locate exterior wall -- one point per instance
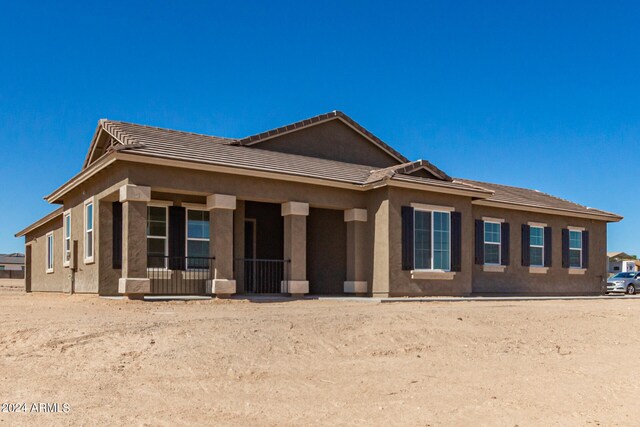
(332, 140)
(517, 279)
(382, 245)
(201, 183)
(41, 281)
(401, 282)
(103, 188)
(377, 243)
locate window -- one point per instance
(432, 240)
(492, 240)
(197, 238)
(66, 249)
(1, 267)
(157, 236)
(50, 253)
(575, 249)
(536, 247)
(88, 231)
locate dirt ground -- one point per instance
(320, 362)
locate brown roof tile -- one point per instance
(534, 198)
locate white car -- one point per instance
(627, 282)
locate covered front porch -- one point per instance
(175, 243)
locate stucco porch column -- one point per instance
(295, 247)
(221, 207)
(134, 282)
(356, 282)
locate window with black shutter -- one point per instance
(479, 246)
(525, 245)
(506, 238)
(585, 249)
(548, 252)
(565, 248)
(431, 239)
(456, 241)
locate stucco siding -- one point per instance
(41, 281)
(519, 280)
(401, 282)
(332, 140)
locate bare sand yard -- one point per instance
(320, 362)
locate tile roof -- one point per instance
(15, 258)
(534, 198)
(178, 145)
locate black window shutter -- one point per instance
(525, 245)
(407, 237)
(116, 209)
(456, 241)
(177, 237)
(479, 242)
(548, 252)
(565, 248)
(504, 231)
(585, 249)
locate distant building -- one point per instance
(620, 262)
(13, 262)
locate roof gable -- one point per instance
(333, 136)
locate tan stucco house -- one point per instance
(321, 206)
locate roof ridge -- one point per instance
(167, 129)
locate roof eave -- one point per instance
(42, 221)
(549, 210)
(83, 175)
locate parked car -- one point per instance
(627, 282)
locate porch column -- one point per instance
(356, 282)
(295, 247)
(134, 282)
(221, 207)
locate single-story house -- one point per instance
(13, 262)
(321, 206)
(621, 262)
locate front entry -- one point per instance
(262, 268)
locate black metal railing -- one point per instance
(179, 275)
(263, 276)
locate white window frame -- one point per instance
(186, 233)
(536, 246)
(89, 228)
(499, 244)
(431, 211)
(66, 239)
(165, 206)
(50, 252)
(575, 249)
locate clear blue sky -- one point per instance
(544, 95)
